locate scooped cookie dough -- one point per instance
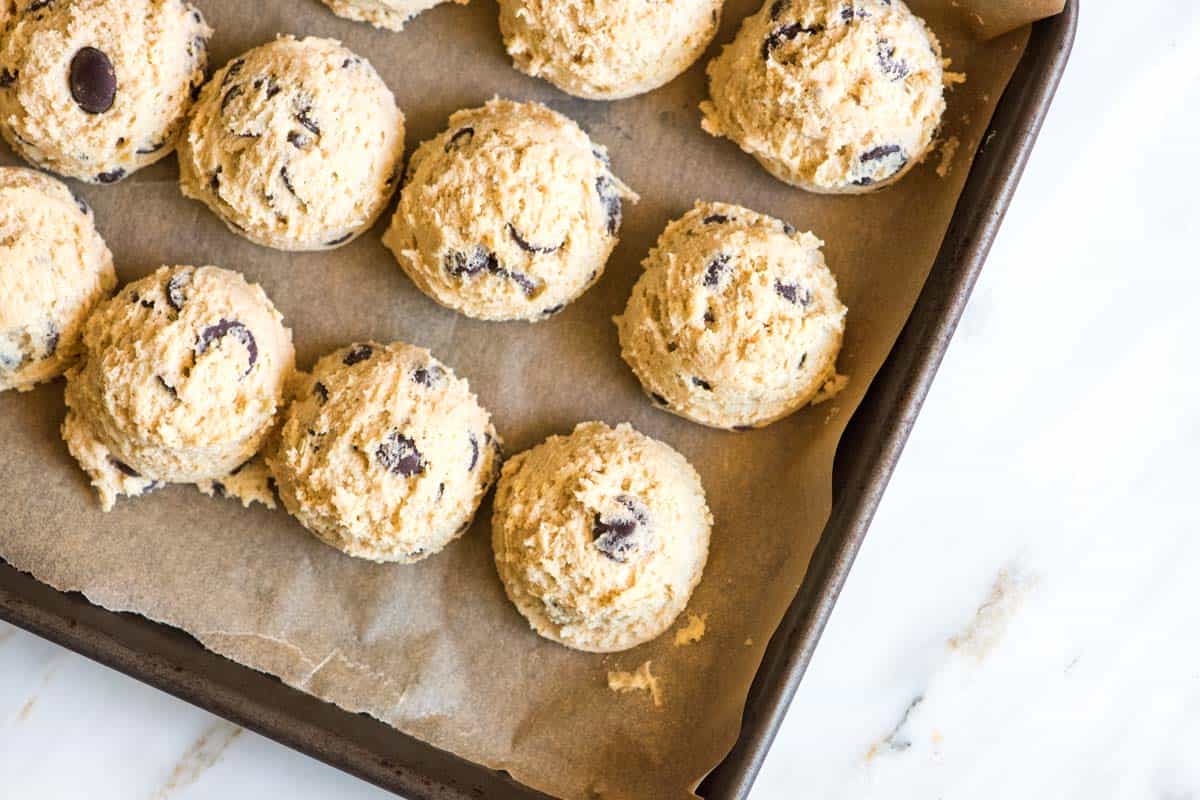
(385, 454)
(600, 537)
(736, 320)
(832, 96)
(607, 49)
(54, 269)
(294, 145)
(510, 213)
(390, 14)
(182, 374)
(98, 89)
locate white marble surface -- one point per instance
(1022, 620)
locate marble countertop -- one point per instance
(1022, 618)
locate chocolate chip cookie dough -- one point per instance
(833, 96)
(181, 377)
(294, 145)
(54, 269)
(97, 89)
(600, 537)
(607, 49)
(510, 213)
(390, 14)
(385, 454)
(736, 320)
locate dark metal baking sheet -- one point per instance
(174, 662)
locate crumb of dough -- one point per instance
(693, 631)
(947, 149)
(831, 388)
(641, 680)
(952, 78)
(250, 483)
(748, 642)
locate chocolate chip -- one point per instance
(602, 157)
(877, 153)
(357, 353)
(716, 269)
(658, 398)
(230, 96)
(299, 140)
(196, 89)
(123, 467)
(353, 61)
(460, 138)
(778, 7)
(302, 116)
(610, 198)
(614, 536)
(37, 5)
(214, 183)
(147, 303)
(428, 376)
(546, 312)
(786, 33)
(234, 68)
(850, 12)
(175, 288)
(171, 390)
(461, 264)
(399, 455)
(441, 490)
(321, 393)
(793, 293)
(218, 489)
(154, 148)
(863, 181)
(52, 337)
(474, 451)
(227, 327)
(272, 485)
(269, 83)
(716, 219)
(8, 77)
(79, 201)
(703, 384)
(527, 284)
(892, 67)
(525, 245)
(339, 240)
(789, 229)
(803, 358)
(743, 427)
(287, 181)
(111, 177)
(709, 318)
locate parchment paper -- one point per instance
(435, 649)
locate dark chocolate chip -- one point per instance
(230, 96)
(171, 390)
(8, 77)
(461, 264)
(803, 358)
(546, 312)
(474, 451)
(302, 116)
(321, 393)
(229, 327)
(268, 83)
(658, 398)
(778, 7)
(460, 138)
(175, 288)
(786, 33)
(153, 486)
(234, 68)
(154, 148)
(602, 157)
(441, 490)
(716, 269)
(703, 384)
(299, 140)
(877, 153)
(863, 181)
(353, 61)
(79, 201)
(789, 229)
(357, 353)
(716, 219)
(892, 67)
(52, 338)
(793, 293)
(37, 5)
(147, 303)
(123, 467)
(709, 317)
(525, 245)
(399, 455)
(218, 489)
(527, 284)
(614, 536)
(428, 376)
(287, 181)
(610, 198)
(339, 240)
(111, 177)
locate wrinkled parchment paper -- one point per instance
(435, 649)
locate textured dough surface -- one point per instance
(735, 321)
(607, 49)
(158, 50)
(384, 453)
(294, 145)
(829, 95)
(390, 14)
(600, 537)
(510, 213)
(181, 377)
(54, 269)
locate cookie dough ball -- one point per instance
(510, 213)
(607, 49)
(600, 537)
(736, 321)
(390, 14)
(54, 269)
(180, 380)
(829, 95)
(98, 89)
(385, 454)
(294, 145)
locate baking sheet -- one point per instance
(435, 649)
